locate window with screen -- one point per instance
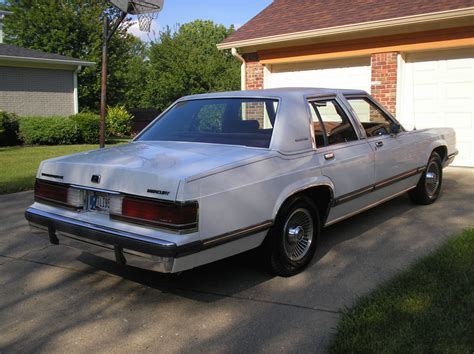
(331, 125)
(372, 118)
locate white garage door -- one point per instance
(438, 91)
(345, 74)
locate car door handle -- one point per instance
(379, 144)
(329, 156)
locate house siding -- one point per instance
(35, 91)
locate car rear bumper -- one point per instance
(125, 247)
(144, 251)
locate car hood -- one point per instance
(138, 167)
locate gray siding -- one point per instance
(31, 91)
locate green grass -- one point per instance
(427, 309)
(18, 164)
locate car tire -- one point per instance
(292, 241)
(429, 186)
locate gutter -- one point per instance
(243, 73)
(364, 26)
(48, 61)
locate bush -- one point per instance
(88, 124)
(8, 129)
(119, 121)
(48, 131)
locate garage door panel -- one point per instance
(348, 73)
(438, 91)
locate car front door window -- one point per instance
(372, 118)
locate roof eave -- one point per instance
(47, 61)
(359, 27)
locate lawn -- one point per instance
(427, 309)
(19, 164)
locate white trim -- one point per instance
(400, 78)
(364, 26)
(267, 74)
(51, 61)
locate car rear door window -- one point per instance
(330, 124)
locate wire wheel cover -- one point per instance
(298, 234)
(432, 178)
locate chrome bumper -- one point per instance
(127, 248)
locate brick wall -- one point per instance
(384, 79)
(254, 72)
(31, 91)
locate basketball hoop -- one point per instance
(145, 10)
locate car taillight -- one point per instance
(178, 216)
(58, 194)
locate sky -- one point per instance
(226, 12)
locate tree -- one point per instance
(187, 61)
(74, 28)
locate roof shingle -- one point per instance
(9, 50)
(291, 16)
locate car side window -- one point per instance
(331, 125)
(372, 118)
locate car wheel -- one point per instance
(429, 186)
(292, 241)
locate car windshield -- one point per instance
(232, 121)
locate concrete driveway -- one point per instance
(57, 299)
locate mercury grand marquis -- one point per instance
(220, 174)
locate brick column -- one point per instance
(254, 72)
(384, 79)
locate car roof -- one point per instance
(277, 93)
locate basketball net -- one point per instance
(145, 18)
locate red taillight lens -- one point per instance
(51, 192)
(172, 215)
(58, 194)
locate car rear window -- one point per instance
(232, 121)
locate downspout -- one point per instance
(76, 91)
(243, 72)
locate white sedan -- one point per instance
(219, 174)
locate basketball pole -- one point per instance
(106, 36)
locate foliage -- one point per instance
(88, 125)
(74, 28)
(48, 130)
(119, 121)
(8, 129)
(187, 61)
(427, 309)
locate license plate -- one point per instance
(98, 202)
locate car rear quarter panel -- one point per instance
(250, 194)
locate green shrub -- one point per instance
(8, 129)
(48, 131)
(119, 121)
(88, 124)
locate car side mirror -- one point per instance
(395, 128)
